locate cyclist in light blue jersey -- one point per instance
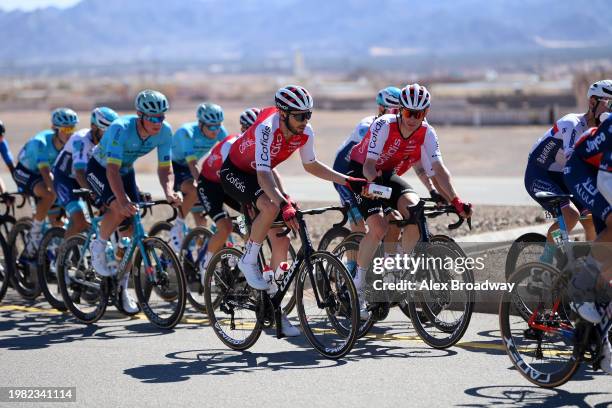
(110, 172)
(190, 143)
(6, 155)
(71, 164)
(33, 172)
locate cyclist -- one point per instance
(211, 194)
(71, 164)
(387, 100)
(190, 142)
(592, 156)
(110, 171)
(393, 144)
(7, 156)
(246, 175)
(547, 158)
(33, 174)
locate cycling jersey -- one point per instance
(38, 152)
(7, 156)
(263, 146)
(594, 144)
(552, 149)
(122, 145)
(189, 144)
(213, 161)
(355, 137)
(384, 143)
(75, 154)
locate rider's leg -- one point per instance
(77, 224)
(393, 234)
(411, 234)
(377, 229)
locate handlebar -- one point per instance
(8, 199)
(147, 208)
(312, 211)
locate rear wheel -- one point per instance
(232, 305)
(192, 253)
(22, 266)
(47, 267)
(4, 269)
(332, 238)
(526, 248)
(161, 229)
(84, 293)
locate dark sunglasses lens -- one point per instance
(301, 117)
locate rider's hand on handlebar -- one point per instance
(291, 200)
(127, 208)
(174, 199)
(288, 213)
(437, 197)
(463, 209)
(356, 185)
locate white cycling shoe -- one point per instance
(253, 276)
(587, 310)
(177, 234)
(98, 258)
(128, 303)
(287, 328)
(364, 314)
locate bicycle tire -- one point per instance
(47, 261)
(162, 282)
(4, 270)
(344, 303)
(331, 235)
(73, 251)
(518, 247)
(23, 268)
(159, 228)
(231, 289)
(518, 352)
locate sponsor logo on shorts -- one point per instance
(96, 184)
(236, 182)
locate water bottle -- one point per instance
(111, 262)
(281, 271)
(124, 242)
(242, 224)
(379, 191)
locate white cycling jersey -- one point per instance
(357, 134)
(75, 154)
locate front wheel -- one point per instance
(192, 253)
(327, 305)
(159, 283)
(4, 269)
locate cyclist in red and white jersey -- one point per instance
(246, 175)
(395, 143)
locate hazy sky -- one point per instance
(33, 4)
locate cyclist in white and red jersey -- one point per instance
(211, 194)
(393, 144)
(548, 155)
(246, 175)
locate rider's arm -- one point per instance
(42, 162)
(186, 141)
(114, 180)
(278, 181)
(164, 168)
(378, 138)
(266, 180)
(80, 157)
(166, 179)
(422, 175)
(2, 186)
(7, 156)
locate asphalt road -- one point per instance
(127, 362)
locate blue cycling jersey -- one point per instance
(39, 152)
(7, 156)
(189, 144)
(122, 145)
(595, 145)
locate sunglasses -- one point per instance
(417, 114)
(302, 117)
(154, 119)
(67, 129)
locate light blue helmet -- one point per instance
(210, 113)
(389, 97)
(64, 117)
(151, 102)
(102, 117)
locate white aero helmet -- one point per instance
(249, 116)
(293, 98)
(415, 97)
(601, 89)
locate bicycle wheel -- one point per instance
(161, 229)
(346, 252)
(231, 303)
(4, 270)
(541, 351)
(192, 251)
(47, 267)
(526, 248)
(332, 238)
(165, 304)
(83, 292)
(22, 267)
(333, 327)
(288, 302)
(447, 312)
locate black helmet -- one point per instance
(2, 129)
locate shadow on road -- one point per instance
(529, 396)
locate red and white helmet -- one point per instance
(249, 116)
(293, 98)
(601, 89)
(415, 97)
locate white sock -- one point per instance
(36, 226)
(250, 252)
(359, 277)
